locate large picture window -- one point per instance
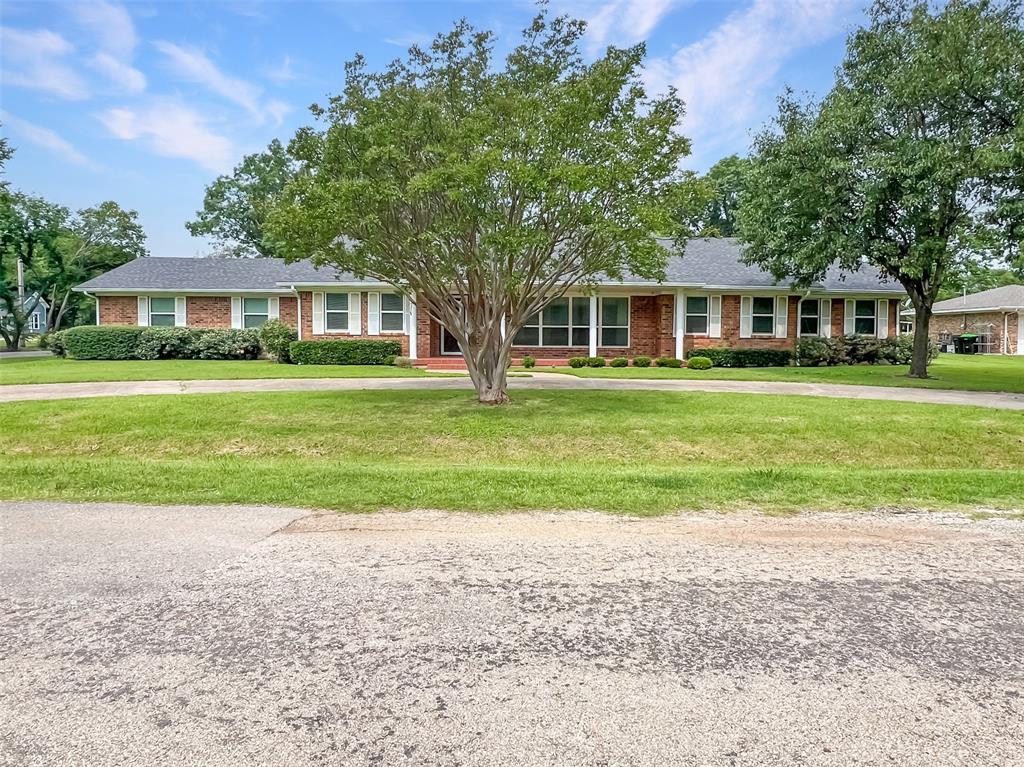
(561, 320)
(810, 321)
(161, 312)
(336, 312)
(615, 322)
(864, 318)
(697, 314)
(392, 312)
(762, 316)
(255, 312)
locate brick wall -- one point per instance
(731, 330)
(118, 310)
(955, 324)
(287, 310)
(307, 325)
(208, 311)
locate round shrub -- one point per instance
(403, 362)
(641, 362)
(275, 338)
(668, 362)
(529, 362)
(699, 363)
(596, 362)
(619, 362)
(577, 362)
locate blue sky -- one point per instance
(145, 103)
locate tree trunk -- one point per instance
(919, 359)
(487, 366)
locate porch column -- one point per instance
(413, 330)
(680, 322)
(593, 327)
(503, 327)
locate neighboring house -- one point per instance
(996, 316)
(37, 319)
(708, 298)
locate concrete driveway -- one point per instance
(252, 636)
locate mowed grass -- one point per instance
(33, 370)
(949, 371)
(638, 452)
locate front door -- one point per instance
(449, 346)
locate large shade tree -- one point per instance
(707, 204)
(912, 162)
(487, 191)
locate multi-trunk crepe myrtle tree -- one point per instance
(485, 192)
(913, 162)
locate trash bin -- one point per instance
(965, 343)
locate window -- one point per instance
(864, 318)
(697, 314)
(561, 320)
(336, 311)
(161, 312)
(762, 315)
(255, 311)
(809, 325)
(33, 322)
(392, 312)
(614, 322)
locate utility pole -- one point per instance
(21, 282)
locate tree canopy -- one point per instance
(707, 204)
(486, 191)
(912, 162)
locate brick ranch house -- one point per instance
(708, 298)
(996, 316)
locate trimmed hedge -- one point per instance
(344, 351)
(668, 362)
(130, 342)
(578, 362)
(642, 361)
(619, 362)
(743, 358)
(113, 342)
(699, 363)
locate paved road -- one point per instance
(253, 636)
(541, 380)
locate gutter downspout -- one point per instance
(97, 300)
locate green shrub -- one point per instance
(529, 362)
(578, 362)
(275, 338)
(668, 362)
(811, 352)
(743, 358)
(620, 362)
(699, 363)
(106, 342)
(227, 344)
(866, 349)
(641, 362)
(403, 362)
(343, 352)
(55, 342)
(900, 350)
(162, 343)
(595, 362)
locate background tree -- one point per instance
(235, 207)
(487, 191)
(910, 161)
(707, 204)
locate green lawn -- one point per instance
(949, 371)
(640, 452)
(57, 370)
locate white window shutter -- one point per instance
(355, 314)
(373, 314)
(882, 318)
(273, 308)
(848, 318)
(746, 316)
(236, 312)
(179, 311)
(144, 311)
(825, 318)
(781, 316)
(715, 321)
(318, 314)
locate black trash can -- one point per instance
(965, 343)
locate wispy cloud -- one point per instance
(192, 65)
(45, 138)
(172, 129)
(124, 76)
(727, 78)
(114, 30)
(36, 59)
(282, 74)
(623, 22)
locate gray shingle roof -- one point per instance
(1006, 297)
(705, 262)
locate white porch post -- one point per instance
(680, 322)
(413, 330)
(1020, 333)
(593, 327)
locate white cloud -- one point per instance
(34, 59)
(112, 25)
(283, 73)
(172, 130)
(624, 22)
(192, 65)
(124, 76)
(45, 138)
(728, 77)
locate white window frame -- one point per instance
(602, 326)
(706, 315)
(753, 315)
(245, 313)
(328, 312)
(800, 318)
(539, 324)
(173, 313)
(381, 311)
(33, 321)
(874, 316)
